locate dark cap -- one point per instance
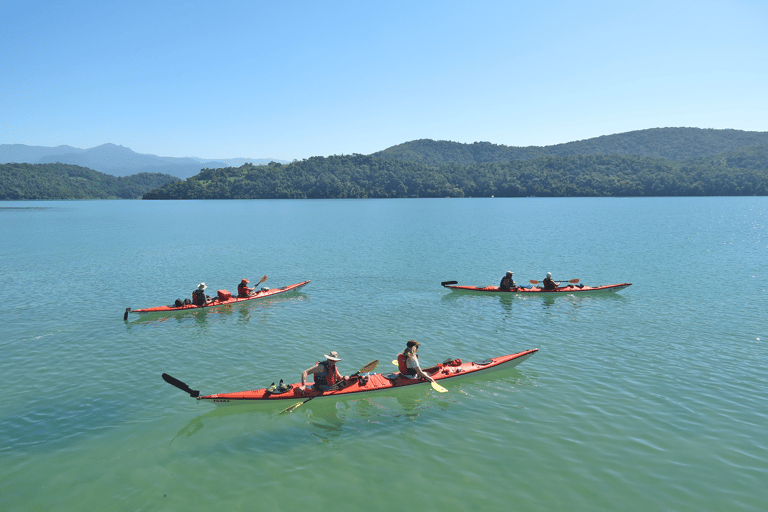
(411, 343)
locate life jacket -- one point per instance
(402, 365)
(326, 377)
(242, 290)
(198, 297)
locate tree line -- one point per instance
(25, 182)
(742, 172)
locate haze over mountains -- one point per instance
(118, 160)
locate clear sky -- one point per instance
(293, 79)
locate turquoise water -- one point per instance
(650, 399)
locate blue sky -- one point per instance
(294, 79)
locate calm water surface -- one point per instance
(651, 399)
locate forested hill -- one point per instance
(23, 182)
(668, 143)
(740, 172)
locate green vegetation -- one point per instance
(741, 172)
(22, 182)
(655, 162)
(669, 143)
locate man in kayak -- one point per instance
(243, 290)
(549, 284)
(198, 296)
(408, 361)
(324, 373)
(507, 283)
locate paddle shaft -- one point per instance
(574, 281)
(367, 368)
(253, 292)
(435, 385)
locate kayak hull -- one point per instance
(369, 385)
(216, 302)
(535, 290)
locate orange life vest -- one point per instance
(327, 377)
(402, 363)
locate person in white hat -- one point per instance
(549, 284)
(199, 298)
(324, 373)
(507, 283)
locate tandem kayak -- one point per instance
(358, 385)
(217, 301)
(570, 289)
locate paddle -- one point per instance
(438, 387)
(446, 283)
(365, 369)
(254, 292)
(435, 385)
(182, 386)
(574, 281)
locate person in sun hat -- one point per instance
(507, 283)
(324, 373)
(198, 296)
(243, 290)
(408, 362)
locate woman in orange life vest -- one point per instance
(243, 290)
(408, 361)
(325, 373)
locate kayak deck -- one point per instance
(367, 384)
(216, 301)
(571, 289)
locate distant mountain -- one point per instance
(675, 144)
(117, 160)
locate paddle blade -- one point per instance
(262, 279)
(438, 387)
(446, 283)
(182, 386)
(574, 281)
(394, 362)
(533, 281)
(369, 367)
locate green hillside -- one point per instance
(22, 182)
(668, 143)
(368, 176)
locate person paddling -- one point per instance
(198, 296)
(408, 361)
(549, 284)
(243, 290)
(507, 282)
(325, 373)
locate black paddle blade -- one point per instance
(446, 283)
(176, 382)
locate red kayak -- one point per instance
(570, 289)
(222, 299)
(359, 384)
